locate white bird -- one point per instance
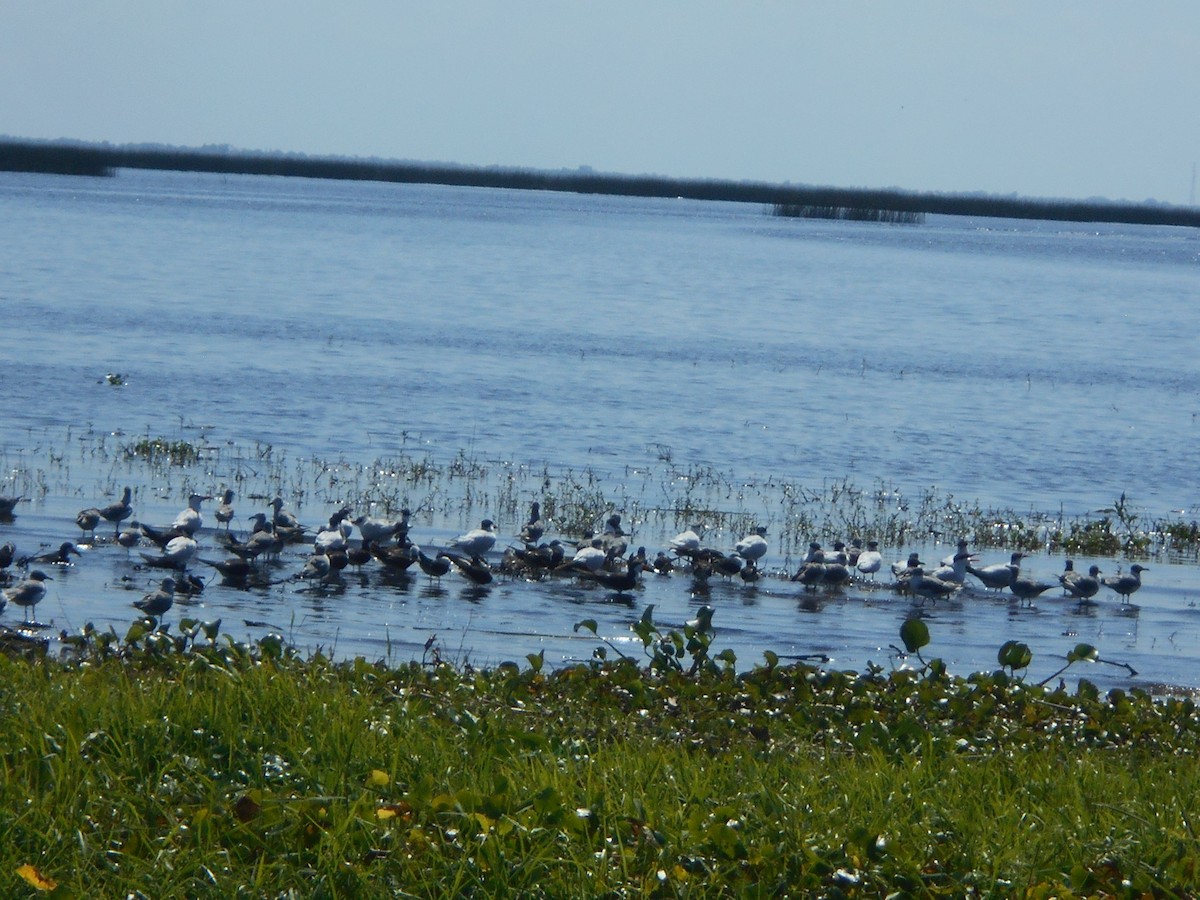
(374, 530)
(1125, 585)
(956, 569)
(590, 557)
(870, 560)
(189, 520)
(175, 555)
(753, 546)
(329, 540)
(1000, 575)
(1083, 587)
(686, 543)
(28, 592)
(477, 541)
(962, 547)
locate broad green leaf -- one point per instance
(915, 634)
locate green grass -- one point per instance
(159, 767)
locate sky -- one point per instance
(1039, 98)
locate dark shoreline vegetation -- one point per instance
(193, 765)
(77, 158)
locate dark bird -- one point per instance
(1126, 585)
(1027, 589)
(7, 553)
(7, 505)
(1082, 587)
(395, 558)
(621, 582)
(224, 511)
(87, 520)
(928, 587)
(233, 570)
(473, 567)
(28, 592)
(118, 512)
(158, 602)
(532, 531)
(358, 556)
(433, 567)
(60, 557)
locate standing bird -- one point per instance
(176, 554)
(870, 561)
(7, 505)
(189, 520)
(8, 552)
(532, 531)
(956, 569)
(29, 592)
(1001, 575)
(1083, 587)
(224, 511)
(87, 520)
(476, 542)
(1126, 585)
(1026, 588)
(376, 530)
(686, 543)
(434, 568)
(926, 586)
(472, 567)
(156, 603)
(118, 512)
(753, 546)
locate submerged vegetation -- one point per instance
(192, 765)
(78, 158)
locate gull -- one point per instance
(870, 560)
(1000, 575)
(686, 543)
(962, 548)
(1026, 588)
(1084, 587)
(233, 570)
(374, 530)
(224, 510)
(281, 516)
(621, 582)
(7, 552)
(156, 603)
(472, 567)
(753, 546)
(329, 540)
(87, 520)
(59, 557)
(176, 554)
(1125, 585)
(532, 531)
(28, 592)
(956, 569)
(588, 558)
(902, 569)
(7, 504)
(319, 566)
(189, 520)
(927, 586)
(433, 567)
(476, 542)
(118, 512)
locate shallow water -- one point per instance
(1030, 366)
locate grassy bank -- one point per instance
(176, 766)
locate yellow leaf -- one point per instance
(385, 812)
(378, 778)
(36, 878)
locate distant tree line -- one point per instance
(104, 159)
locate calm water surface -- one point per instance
(1029, 366)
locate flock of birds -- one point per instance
(602, 557)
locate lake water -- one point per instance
(330, 341)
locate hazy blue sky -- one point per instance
(1035, 97)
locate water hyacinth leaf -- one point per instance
(915, 634)
(211, 629)
(536, 660)
(589, 624)
(1083, 652)
(1015, 655)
